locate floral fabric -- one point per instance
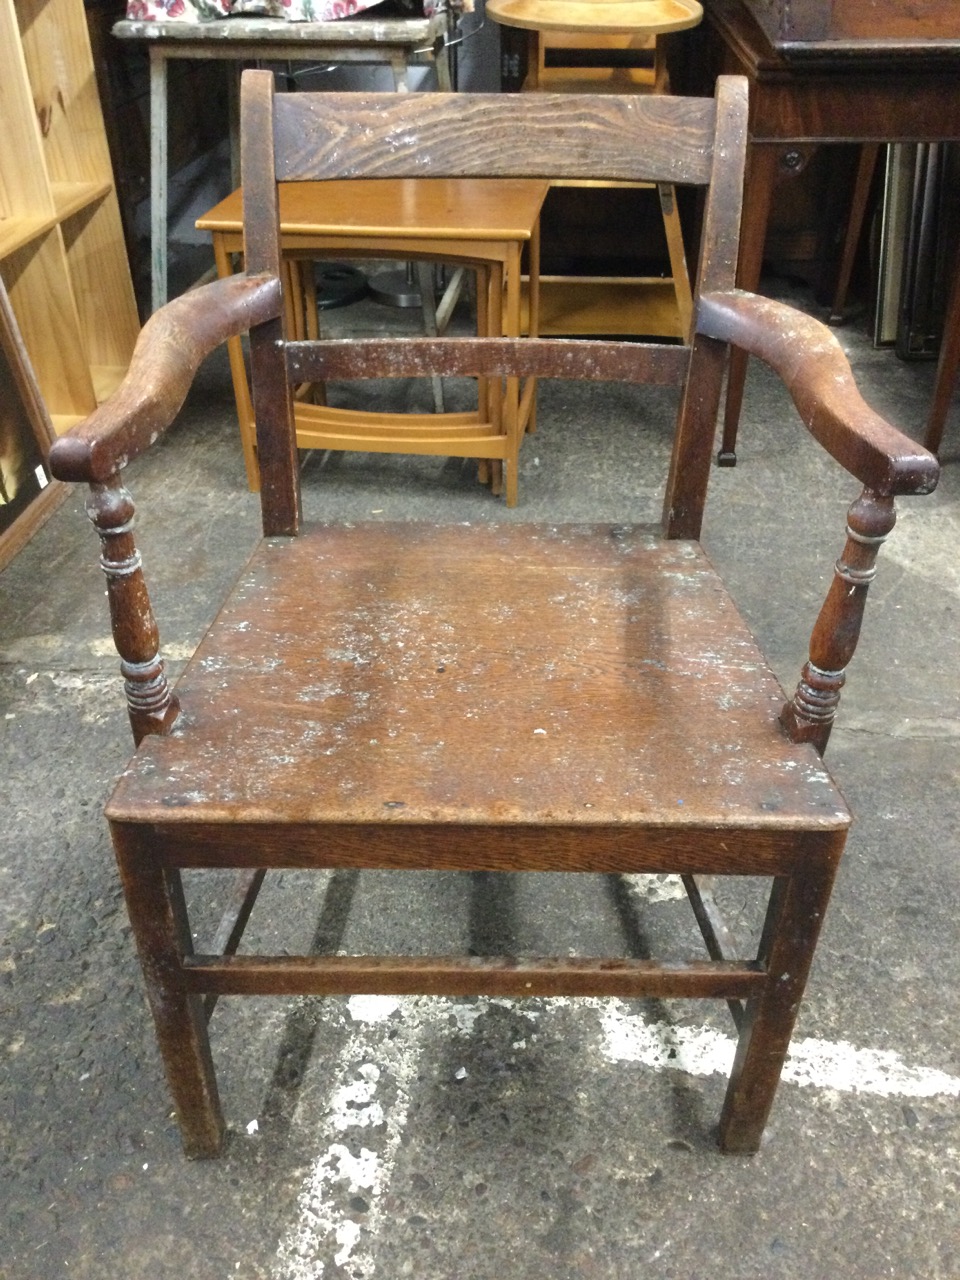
(205, 10)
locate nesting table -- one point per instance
(479, 223)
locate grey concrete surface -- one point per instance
(478, 1140)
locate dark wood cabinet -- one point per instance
(788, 22)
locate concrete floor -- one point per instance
(477, 1140)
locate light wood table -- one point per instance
(477, 223)
(397, 42)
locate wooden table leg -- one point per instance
(667, 195)
(443, 64)
(398, 65)
(866, 168)
(158, 178)
(428, 305)
(947, 365)
(238, 373)
(529, 407)
(511, 327)
(761, 175)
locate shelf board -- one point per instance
(17, 232)
(72, 197)
(68, 198)
(595, 306)
(106, 379)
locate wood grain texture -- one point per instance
(580, 846)
(490, 698)
(487, 357)
(470, 975)
(352, 135)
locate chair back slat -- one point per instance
(608, 138)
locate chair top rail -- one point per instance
(384, 135)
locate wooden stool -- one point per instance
(601, 33)
(472, 223)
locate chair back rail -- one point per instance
(487, 357)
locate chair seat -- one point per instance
(387, 677)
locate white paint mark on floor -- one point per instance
(626, 1037)
(348, 1166)
(830, 1064)
(822, 1064)
(651, 889)
(384, 1043)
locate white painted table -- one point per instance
(397, 42)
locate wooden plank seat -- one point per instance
(475, 224)
(475, 696)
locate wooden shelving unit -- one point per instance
(62, 253)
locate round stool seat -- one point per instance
(605, 16)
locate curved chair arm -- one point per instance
(168, 352)
(817, 374)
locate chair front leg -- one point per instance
(158, 916)
(791, 929)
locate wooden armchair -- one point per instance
(483, 697)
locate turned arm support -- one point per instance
(812, 364)
(810, 713)
(170, 348)
(815, 370)
(168, 352)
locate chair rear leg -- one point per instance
(792, 927)
(158, 917)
